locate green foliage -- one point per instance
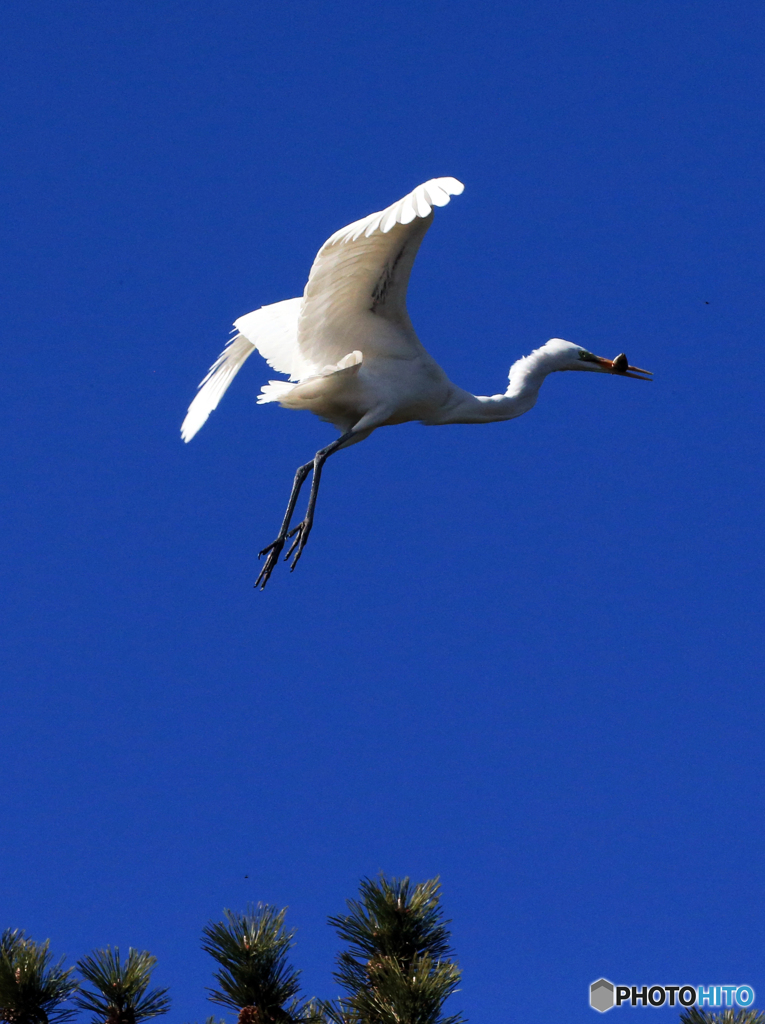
(255, 976)
(10, 941)
(32, 987)
(730, 1016)
(122, 994)
(399, 967)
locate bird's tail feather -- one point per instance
(213, 387)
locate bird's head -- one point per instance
(564, 355)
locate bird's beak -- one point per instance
(623, 368)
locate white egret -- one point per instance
(352, 357)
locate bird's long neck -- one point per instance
(526, 378)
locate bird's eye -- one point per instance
(588, 357)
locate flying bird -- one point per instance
(352, 357)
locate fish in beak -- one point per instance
(621, 366)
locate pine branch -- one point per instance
(399, 967)
(394, 918)
(730, 1016)
(10, 940)
(122, 994)
(32, 987)
(255, 977)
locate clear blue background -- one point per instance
(526, 657)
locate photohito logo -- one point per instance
(604, 995)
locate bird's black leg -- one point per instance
(302, 530)
(273, 550)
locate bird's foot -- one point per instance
(273, 551)
(300, 533)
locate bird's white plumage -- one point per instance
(360, 272)
(352, 356)
(272, 330)
(360, 276)
(214, 385)
(277, 390)
(418, 203)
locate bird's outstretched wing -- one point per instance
(362, 272)
(272, 330)
(358, 281)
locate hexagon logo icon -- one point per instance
(601, 995)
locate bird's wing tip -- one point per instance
(417, 203)
(214, 385)
(453, 186)
(192, 424)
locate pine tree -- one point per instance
(730, 1016)
(399, 967)
(122, 994)
(256, 978)
(10, 941)
(32, 987)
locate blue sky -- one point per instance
(526, 657)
